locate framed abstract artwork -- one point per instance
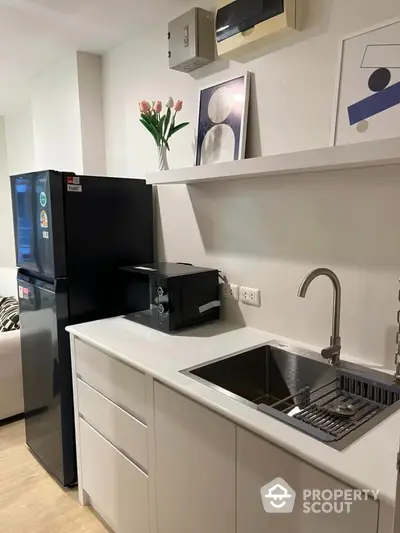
(367, 103)
(222, 121)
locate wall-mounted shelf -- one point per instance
(368, 154)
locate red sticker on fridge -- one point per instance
(44, 221)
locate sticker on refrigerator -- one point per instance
(74, 180)
(74, 188)
(45, 234)
(20, 291)
(43, 199)
(44, 221)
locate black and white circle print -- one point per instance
(220, 122)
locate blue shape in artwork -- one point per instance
(374, 104)
(234, 120)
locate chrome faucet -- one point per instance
(333, 352)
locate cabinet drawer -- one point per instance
(117, 489)
(121, 429)
(121, 383)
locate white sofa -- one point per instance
(11, 392)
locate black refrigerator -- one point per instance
(72, 233)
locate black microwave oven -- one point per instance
(170, 296)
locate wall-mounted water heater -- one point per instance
(242, 25)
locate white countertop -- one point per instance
(369, 463)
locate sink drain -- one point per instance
(344, 410)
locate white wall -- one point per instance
(270, 233)
(7, 254)
(61, 126)
(56, 117)
(20, 140)
(91, 113)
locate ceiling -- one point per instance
(34, 33)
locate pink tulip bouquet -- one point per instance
(161, 126)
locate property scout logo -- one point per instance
(279, 497)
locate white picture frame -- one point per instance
(373, 34)
(239, 129)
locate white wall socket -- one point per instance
(250, 296)
(229, 291)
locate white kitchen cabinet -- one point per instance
(151, 460)
(195, 462)
(117, 489)
(260, 462)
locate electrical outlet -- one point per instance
(250, 296)
(229, 291)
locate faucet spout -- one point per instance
(333, 352)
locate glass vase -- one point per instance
(162, 158)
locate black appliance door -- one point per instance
(39, 223)
(47, 380)
(147, 297)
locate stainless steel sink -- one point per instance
(335, 404)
